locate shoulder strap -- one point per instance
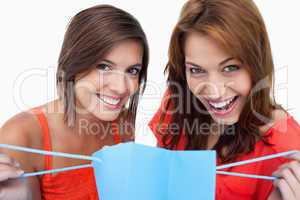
(46, 136)
(116, 133)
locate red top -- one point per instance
(284, 135)
(76, 184)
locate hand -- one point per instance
(9, 168)
(287, 186)
(10, 187)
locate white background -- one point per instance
(31, 34)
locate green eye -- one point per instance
(103, 67)
(231, 68)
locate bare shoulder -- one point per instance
(279, 114)
(21, 130)
(18, 131)
(276, 116)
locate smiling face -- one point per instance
(220, 81)
(105, 90)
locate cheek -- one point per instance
(89, 83)
(83, 90)
(101, 80)
(133, 85)
(195, 84)
(85, 87)
(243, 84)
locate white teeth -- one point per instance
(221, 104)
(109, 100)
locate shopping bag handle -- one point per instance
(244, 162)
(29, 174)
(98, 160)
(52, 153)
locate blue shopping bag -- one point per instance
(131, 171)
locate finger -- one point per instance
(290, 180)
(289, 177)
(285, 190)
(14, 189)
(275, 195)
(295, 168)
(283, 165)
(4, 159)
(16, 163)
(294, 156)
(7, 172)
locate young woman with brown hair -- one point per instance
(102, 70)
(220, 76)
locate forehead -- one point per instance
(203, 50)
(126, 52)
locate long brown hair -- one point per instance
(90, 35)
(238, 28)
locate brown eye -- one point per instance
(196, 70)
(134, 71)
(103, 67)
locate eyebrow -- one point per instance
(225, 61)
(221, 63)
(130, 66)
(108, 61)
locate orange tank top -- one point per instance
(78, 184)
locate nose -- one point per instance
(215, 88)
(118, 83)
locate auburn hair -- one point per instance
(238, 27)
(90, 35)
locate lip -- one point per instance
(219, 101)
(112, 97)
(222, 113)
(111, 106)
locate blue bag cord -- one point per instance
(271, 178)
(91, 158)
(252, 161)
(52, 153)
(55, 170)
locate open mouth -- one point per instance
(112, 102)
(223, 107)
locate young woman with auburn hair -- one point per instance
(102, 70)
(220, 77)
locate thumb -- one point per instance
(7, 172)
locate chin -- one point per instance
(107, 116)
(226, 121)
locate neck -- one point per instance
(88, 124)
(85, 124)
(216, 130)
